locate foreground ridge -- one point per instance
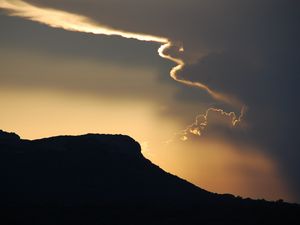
(104, 179)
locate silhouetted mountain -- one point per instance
(104, 179)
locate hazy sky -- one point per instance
(208, 87)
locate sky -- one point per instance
(209, 88)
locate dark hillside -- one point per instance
(104, 179)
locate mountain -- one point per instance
(104, 179)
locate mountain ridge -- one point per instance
(108, 174)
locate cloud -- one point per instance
(68, 21)
(214, 119)
(73, 22)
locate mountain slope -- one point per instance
(104, 179)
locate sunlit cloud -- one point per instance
(68, 21)
(201, 121)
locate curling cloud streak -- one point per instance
(180, 64)
(74, 22)
(68, 21)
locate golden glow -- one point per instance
(45, 114)
(220, 166)
(77, 96)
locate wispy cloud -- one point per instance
(68, 21)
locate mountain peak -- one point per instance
(6, 136)
(85, 168)
(122, 144)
